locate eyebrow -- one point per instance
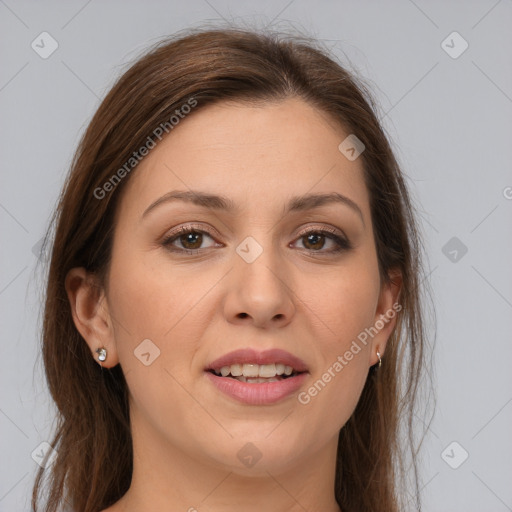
(216, 202)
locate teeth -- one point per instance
(236, 370)
(267, 370)
(252, 372)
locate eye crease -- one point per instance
(192, 237)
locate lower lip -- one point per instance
(258, 393)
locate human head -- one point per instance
(207, 71)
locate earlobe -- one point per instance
(90, 313)
(386, 315)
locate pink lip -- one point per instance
(249, 355)
(258, 393)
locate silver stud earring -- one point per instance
(102, 354)
(380, 360)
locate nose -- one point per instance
(260, 293)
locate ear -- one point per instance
(386, 314)
(90, 312)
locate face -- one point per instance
(261, 268)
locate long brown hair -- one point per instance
(93, 465)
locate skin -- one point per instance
(197, 307)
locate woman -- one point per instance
(233, 297)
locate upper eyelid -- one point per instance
(213, 232)
(328, 231)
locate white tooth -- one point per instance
(279, 369)
(250, 370)
(267, 370)
(242, 379)
(288, 370)
(236, 370)
(254, 380)
(225, 370)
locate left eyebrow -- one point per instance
(217, 202)
(311, 201)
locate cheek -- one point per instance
(151, 298)
(342, 304)
(165, 306)
(340, 309)
(172, 306)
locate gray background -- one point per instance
(449, 120)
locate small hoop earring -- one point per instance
(102, 353)
(380, 360)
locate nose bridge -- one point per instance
(261, 265)
(259, 288)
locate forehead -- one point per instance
(256, 155)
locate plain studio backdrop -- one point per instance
(442, 74)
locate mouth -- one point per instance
(258, 378)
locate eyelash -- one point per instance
(342, 243)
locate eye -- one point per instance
(314, 240)
(189, 238)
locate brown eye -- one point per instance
(191, 240)
(316, 240)
(187, 239)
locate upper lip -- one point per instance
(249, 355)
